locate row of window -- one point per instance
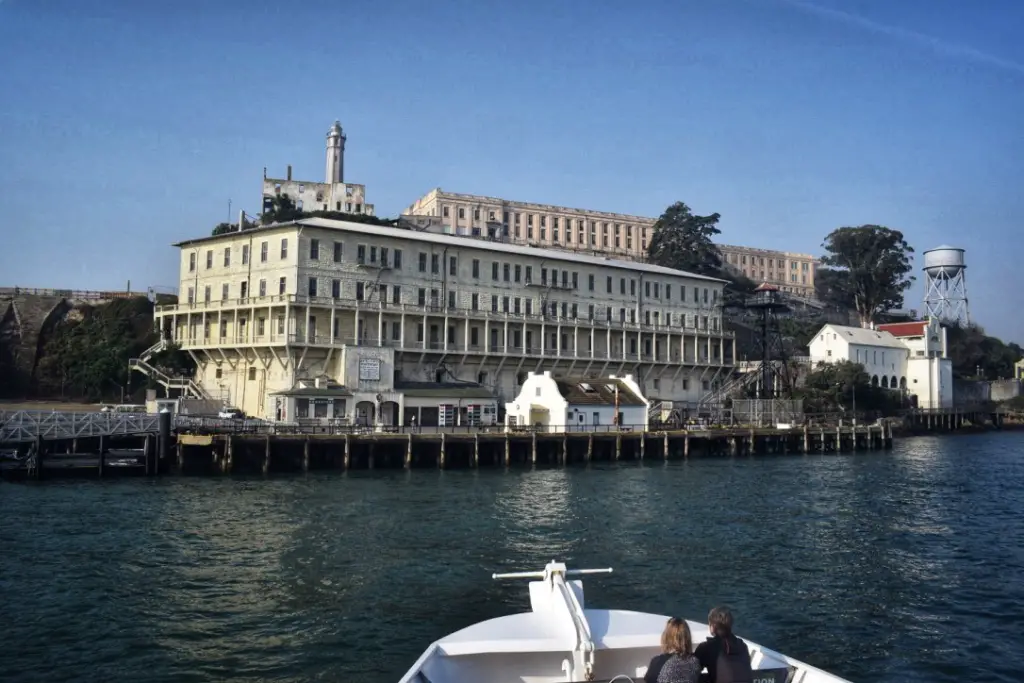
(741, 259)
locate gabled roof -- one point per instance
(863, 336)
(597, 391)
(914, 329)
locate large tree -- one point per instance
(871, 265)
(682, 240)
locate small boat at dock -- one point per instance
(561, 641)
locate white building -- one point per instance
(908, 357)
(334, 194)
(558, 405)
(269, 309)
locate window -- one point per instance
(433, 298)
(544, 276)
(590, 282)
(252, 374)
(206, 294)
(398, 259)
(227, 256)
(453, 265)
(261, 326)
(475, 302)
(192, 262)
(243, 290)
(245, 254)
(191, 295)
(359, 291)
(476, 268)
(504, 304)
(505, 272)
(423, 262)
(518, 273)
(462, 212)
(444, 212)
(529, 274)
(281, 284)
(647, 289)
(451, 299)
(264, 248)
(494, 271)
(576, 280)
(494, 303)
(224, 292)
(312, 286)
(314, 250)
(435, 264)
(474, 336)
(361, 253)
(529, 307)
(336, 289)
(421, 296)
(396, 331)
(609, 283)
(396, 294)
(284, 248)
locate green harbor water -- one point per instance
(900, 566)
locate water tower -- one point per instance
(945, 295)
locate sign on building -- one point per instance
(369, 369)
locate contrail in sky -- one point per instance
(906, 35)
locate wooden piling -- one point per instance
(664, 445)
(590, 447)
(533, 450)
(408, 453)
(618, 446)
(266, 456)
(348, 453)
(440, 459)
(565, 450)
(370, 461)
(686, 447)
(508, 451)
(102, 460)
(643, 446)
(476, 450)
(305, 455)
(40, 457)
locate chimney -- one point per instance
(547, 373)
(289, 171)
(241, 219)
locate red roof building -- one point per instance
(914, 329)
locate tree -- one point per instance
(682, 240)
(976, 355)
(832, 287)
(871, 264)
(837, 386)
(282, 210)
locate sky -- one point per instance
(126, 126)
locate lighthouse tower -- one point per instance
(335, 155)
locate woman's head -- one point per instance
(675, 639)
(720, 622)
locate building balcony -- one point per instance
(452, 348)
(433, 310)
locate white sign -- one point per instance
(369, 369)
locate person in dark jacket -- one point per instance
(725, 656)
(676, 663)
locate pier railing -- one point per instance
(28, 425)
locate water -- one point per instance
(905, 566)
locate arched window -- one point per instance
(903, 382)
(893, 383)
(885, 382)
(874, 380)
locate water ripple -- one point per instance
(908, 562)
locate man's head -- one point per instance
(720, 621)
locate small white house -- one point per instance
(907, 357)
(557, 405)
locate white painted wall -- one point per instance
(539, 389)
(931, 381)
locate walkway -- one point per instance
(28, 425)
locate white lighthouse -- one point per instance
(335, 155)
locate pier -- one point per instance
(222, 453)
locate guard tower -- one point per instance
(766, 304)
(335, 155)
(945, 296)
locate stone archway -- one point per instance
(365, 413)
(389, 413)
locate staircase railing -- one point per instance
(183, 384)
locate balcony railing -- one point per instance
(434, 310)
(454, 347)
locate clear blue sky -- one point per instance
(125, 126)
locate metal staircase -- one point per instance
(185, 385)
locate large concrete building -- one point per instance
(373, 321)
(593, 232)
(334, 194)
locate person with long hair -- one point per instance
(725, 656)
(676, 663)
